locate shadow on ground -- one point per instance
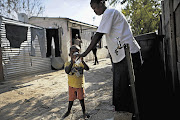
(9, 85)
(155, 101)
(99, 90)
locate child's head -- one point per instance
(98, 6)
(73, 49)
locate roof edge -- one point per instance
(69, 19)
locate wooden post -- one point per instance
(132, 79)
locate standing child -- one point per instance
(76, 81)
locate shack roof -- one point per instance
(69, 20)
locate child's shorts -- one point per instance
(76, 93)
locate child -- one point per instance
(74, 69)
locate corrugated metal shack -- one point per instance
(17, 61)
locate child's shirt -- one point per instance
(76, 76)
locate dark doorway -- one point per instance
(74, 32)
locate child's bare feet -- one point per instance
(86, 116)
(66, 114)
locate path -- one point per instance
(44, 97)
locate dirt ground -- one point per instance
(45, 96)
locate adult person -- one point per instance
(77, 41)
(94, 50)
(117, 31)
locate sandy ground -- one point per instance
(45, 97)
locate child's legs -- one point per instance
(85, 115)
(69, 109)
(72, 97)
(76, 93)
(80, 96)
(70, 105)
(82, 105)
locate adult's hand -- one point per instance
(95, 39)
(81, 55)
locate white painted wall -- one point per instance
(85, 33)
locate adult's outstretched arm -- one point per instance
(96, 38)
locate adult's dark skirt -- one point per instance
(122, 96)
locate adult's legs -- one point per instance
(122, 97)
(96, 59)
(95, 55)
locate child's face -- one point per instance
(72, 51)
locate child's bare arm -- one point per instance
(86, 67)
(68, 68)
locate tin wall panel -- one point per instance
(17, 62)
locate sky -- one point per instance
(79, 10)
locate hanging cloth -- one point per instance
(41, 38)
(49, 34)
(16, 35)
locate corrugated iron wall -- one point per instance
(1, 70)
(17, 62)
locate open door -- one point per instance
(74, 32)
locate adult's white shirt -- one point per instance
(114, 25)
